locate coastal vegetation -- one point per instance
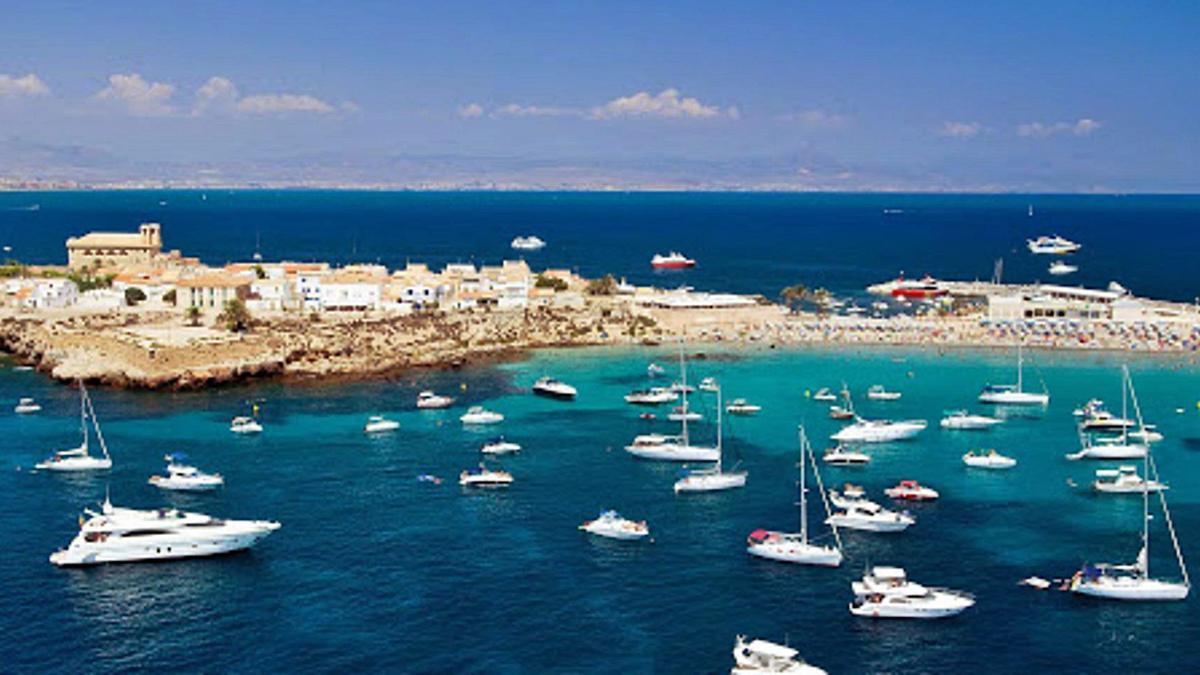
(193, 316)
(134, 295)
(235, 317)
(605, 285)
(555, 283)
(87, 280)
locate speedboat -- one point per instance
(427, 400)
(867, 516)
(837, 412)
(610, 524)
(886, 593)
(530, 243)
(245, 425)
(1054, 245)
(378, 424)
(878, 431)
(1103, 420)
(679, 413)
(184, 477)
(708, 384)
(78, 459)
(478, 415)
(672, 261)
(988, 459)
(1124, 480)
(484, 478)
(1059, 268)
(1014, 394)
(740, 406)
(27, 406)
(961, 420)
(912, 491)
(840, 455)
(652, 396)
(760, 656)
(127, 535)
(1108, 448)
(552, 388)
(654, 370)
(823, 394)
(499, 446)
(879, 393)
(671, 449)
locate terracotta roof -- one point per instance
(214, 281)
(111, 240)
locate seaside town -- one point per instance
(126, 311)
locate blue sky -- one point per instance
(1072, 96)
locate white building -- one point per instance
(351, 291)
(273, 294)
(309, 287)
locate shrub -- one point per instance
(134, 295)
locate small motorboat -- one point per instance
(886, 593)
(530, 243)
(682, 412)
(879, 393)
(988, 459)
(708, 384)
(485, 478)
(429, 478)
(652, 396)
(184, 477)
(961, 420)
(611, 525)
(911, 490)
(681, 388)
(672, 261)
(1059, 268)
(760, 656)
(740, 406)
(837, 412)
(824, 394)
(647, 416)
(499, 446)
(245, 425)
(654, 370)
(867, 516)
(379, 424)
(1125, 480)
(552, 388)
(427, 400)
(1053, 245)
(840, 455)
(27, 406)
(478, 415)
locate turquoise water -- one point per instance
(374, 570)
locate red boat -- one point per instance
(926, 287)
(672, 261)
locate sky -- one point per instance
(917, 95)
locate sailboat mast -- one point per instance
(83, 414)
(683, 382)
(719, 449)
(1126, 393)
(96, 423)
(803, 497)
(1020, 369)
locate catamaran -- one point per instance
(796, 548)
(1014, 394)
(78, 459)
(714, 478)
(673, 448)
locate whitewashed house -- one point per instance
(351, 291)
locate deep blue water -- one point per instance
(374, 571)
(756, 243)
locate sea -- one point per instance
(374, 570)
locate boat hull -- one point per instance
(868, 524)
(878, 434)
(675, 453)
(75, 464)
(162, 547)
(710, 482)
(1142, 590)
(797, 554)
(1014, 398)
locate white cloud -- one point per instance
(960, 129)
(667, 104)
(218, 93)
(272, 104)
(29, 85)
(142, 98)
(1082, 127)
(515, 110)
(470, 110)
(221, 95)
(817, 119)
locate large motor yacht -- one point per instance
(878, 431)
(127, 535)
(886, 593)
(1053, 245)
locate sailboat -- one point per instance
(1108, 447)
(1133, 582)
(713, 478)
(796, 548)
(78, 459)
(1010, 394)
(674, 448)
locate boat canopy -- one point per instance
(889, 573)
(772, 650)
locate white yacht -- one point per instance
(427, 400)
(1108, 448)
(1147, 434)
(961, 420)
(184, 477)
(1053, 245)
(1118, 447)
(988, 459)
(552, 388)
(823, 394)
(682, 388)
(1014, 394)
(378, 424)
(27, 406)
(478, 415)
(78, 459)
(1059, 268)
(840, 455)
(530, 243)
(911, 491)
(708, 384)
(740, 406)
(796, 548)
(484, 477)
(757, 657)
(245, 425)
(877, 392)
(715, 478)
(499, 446)
(654, 370)
(127, 535)
(611, 525)
(1124, 480)
(878, 431)
(1104, 421)
(652, 396)
(886, 593)
(867, 516)
(673, 448)
(680, 413)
